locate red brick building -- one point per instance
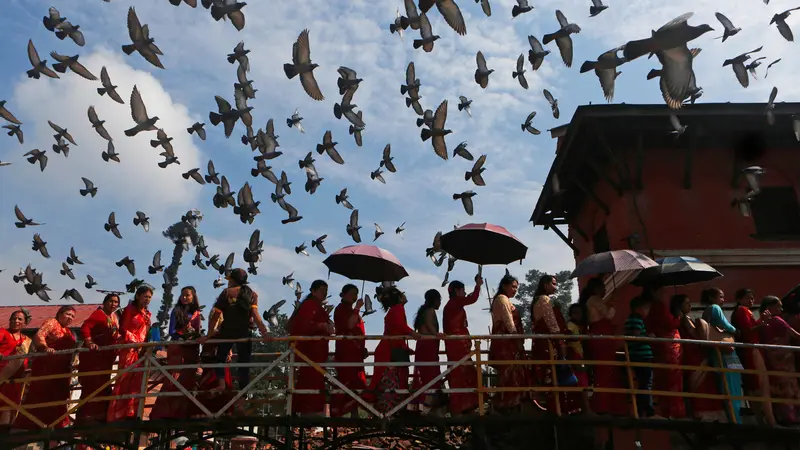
(620, 180)
(40, 313)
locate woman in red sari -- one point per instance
(386, 380)
(101, 329)
(311, 319)
(184, 325)
(697, 381)
(347, 321)
(13, 343)
(599, 312)
(427, 350)
(662, 323)
(454, 322)
(506, 320)
(754, 385)
(133, 330)
(547, 319)
(54, 335)
(777, 332)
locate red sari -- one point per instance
(742, 318)
(351, 351)
(310, 319)
(547, 319)
(102, 330)
(663, 324)
(465, 376)
(10, 346)
(133, 330)
(176, 407)
(777, 332)
(214, 402)
(394, 324)
(45, 391)
(427, 351)
(608, 377)
(506, 320)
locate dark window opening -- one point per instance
(776, 212)
(600, 240)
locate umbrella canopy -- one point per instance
(791, 295)
(367, 263)
(612, 262)
(483, 243)
(677, 271)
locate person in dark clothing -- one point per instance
(236, 306)
(641, 352)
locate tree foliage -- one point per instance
(527, 287)
(275, 379)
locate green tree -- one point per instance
(276, 378)
(527, 287)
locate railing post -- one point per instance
(479, 363)
(631, 386)
(554, 376)
(723, 371)
(290, 381)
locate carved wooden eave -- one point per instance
(739, 257)
(563, 237)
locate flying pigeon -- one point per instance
(301, 249)
(296, 121)
(528, 125)
(156, 266)
(319, 242)
(771, 106)
(386, 159)
(674, 33)
(596, 8)
(53, 19)
(73, 258)
(23, 221)
(302, 65)
(39, 66)
(90, 188)
(66, 271)
(377, 174)
(737, 64)
(606, 70)
(73, 294)
(108, 87)
(129, 265)
(476, 173)
(466, 200)
(240, 55)
(111, 226)
(378, 232)
(342, 198)
(15, 130)
(195, 175)
(110, 154)
(427, 38)
(142, 219)
(562, 37)
(399, 230)
(521, 7)
(437, 132)
(97, 124)
(519, 74)
(461, 150)
(677, 128)
(39, 156)
(537, 53)
(780, 21)
(482, 72)
(348, 79)
(67, 30)
(139, 115)
(464, 105)
(553, 103)
(288, 280)
(90, 283)
(730, 29)
(71, 63)
(271, 315)
(141, 40)
(230, 9)
(770, 65)
(329, 147)
(353, 227)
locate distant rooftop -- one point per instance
(40, 313)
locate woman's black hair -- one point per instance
(316, 284)
(540, 288)
(649, 292)
(676, 303)
(590, 289)
(347, 288)
(505, 281)
(742, 293)
(141, 290)
(108, 297)
(388, 296)
(432, 297)
(453, 287)
(768, 302)
(708, 294)
(584, 320)
(184, 313)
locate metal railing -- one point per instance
(292, 358)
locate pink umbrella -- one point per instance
(612, 262)
(366, 263)
(483, 244)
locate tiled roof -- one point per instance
(40, 313)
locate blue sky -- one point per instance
(352, 33)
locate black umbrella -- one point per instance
(483, 244)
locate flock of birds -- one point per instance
(669, 44)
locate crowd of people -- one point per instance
(543, 363)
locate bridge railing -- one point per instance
(154, 367)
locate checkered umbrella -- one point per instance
(612, 262)
(677, 271)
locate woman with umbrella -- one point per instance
(348, 322)
(386, 380)
(454, 319)
(427, 350)
(311, 319)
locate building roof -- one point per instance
(598, 134)
(40, 313)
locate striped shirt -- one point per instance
(638, 350)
